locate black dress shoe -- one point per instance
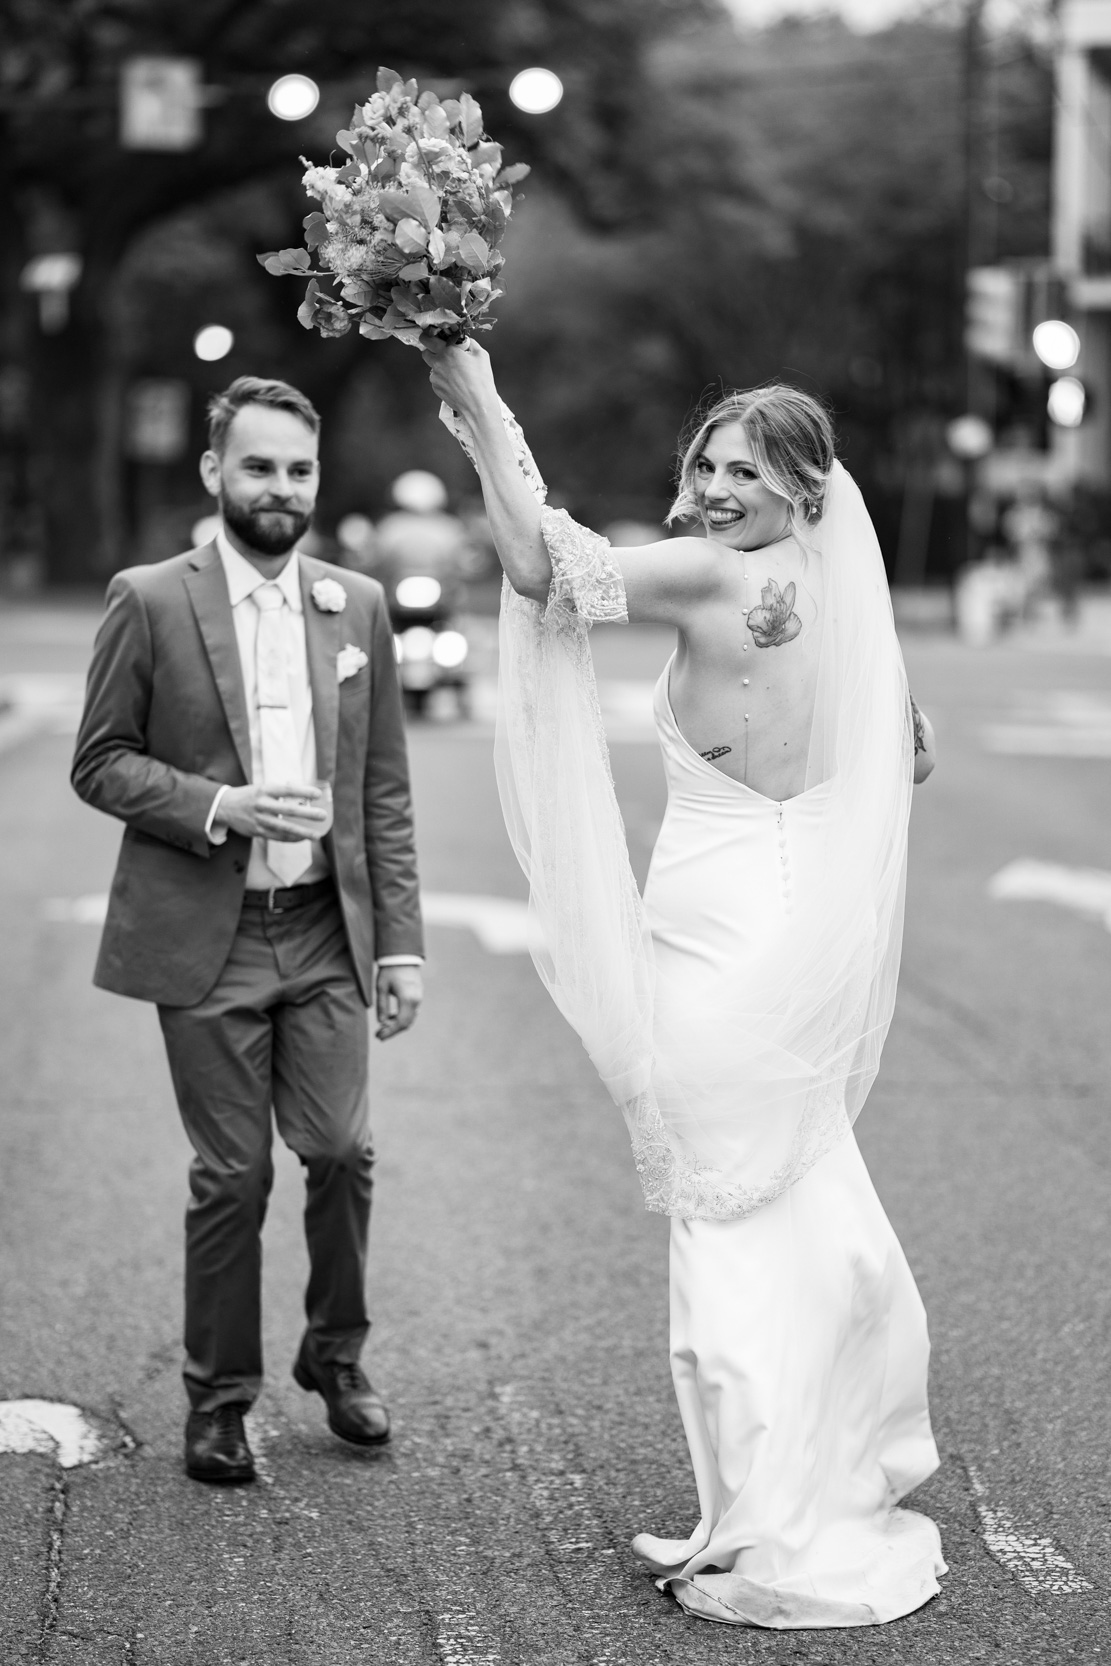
(355, 1412)
(216, 1446)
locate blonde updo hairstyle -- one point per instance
(792, 442)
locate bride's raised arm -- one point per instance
(663, 581)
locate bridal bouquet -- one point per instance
(408, 228)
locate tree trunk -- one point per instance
(75, 441)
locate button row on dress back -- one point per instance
(785, 874)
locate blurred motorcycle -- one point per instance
(431, 650)
(421, 557)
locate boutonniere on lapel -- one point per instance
(349, 660)
(329, 596)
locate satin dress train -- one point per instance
(799, 1350)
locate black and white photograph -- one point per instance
(555, 832)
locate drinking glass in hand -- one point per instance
(311, 826)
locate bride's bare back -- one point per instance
(742, 685)
(746, 600)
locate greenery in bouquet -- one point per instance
(408, 228)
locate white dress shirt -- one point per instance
(242, 581)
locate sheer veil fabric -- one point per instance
(794, 1052)
(737, 1014)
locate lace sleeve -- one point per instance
(585, 577)
(526, 462)
(586, 580)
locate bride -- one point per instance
(737, 1013)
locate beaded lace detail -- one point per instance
(674, 1185)
(585, 577)
(526, 462)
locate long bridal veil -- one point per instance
(785, 1061)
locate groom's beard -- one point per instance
(266, 531)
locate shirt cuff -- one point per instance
(401, 960)
(215, 835)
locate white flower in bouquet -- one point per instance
(408, 228)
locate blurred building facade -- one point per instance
(1081, 228)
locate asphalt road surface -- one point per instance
(518, 1286)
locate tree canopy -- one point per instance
(706, 205)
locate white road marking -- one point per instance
(260, 1433)
(460, 1641)
(499, 923)
(626, 706)
(1063, 723)
(37, 702)
(34, 702)
(1034, 1560)
(1031, 740)
(1086, 891)
(77, 911)
(49, 1426)
(573, 1529)
(559, 1494)
(16, 726)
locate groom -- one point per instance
(224, 683)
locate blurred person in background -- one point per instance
(1076, 543)
(355, 543)
(423, 555)
(420, 538)
(235, 692)
(1031, 526)
(738, 1015)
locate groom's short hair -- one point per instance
(255, 390)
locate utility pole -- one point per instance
(979, 381)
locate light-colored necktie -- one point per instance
(281, 757)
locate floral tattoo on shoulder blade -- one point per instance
(773, 623)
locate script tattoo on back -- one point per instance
(919, 731)
(773, 623)
(714, 753)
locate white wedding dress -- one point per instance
(798, 1339)
(737, 1015)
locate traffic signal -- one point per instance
(1004, 306)
(993, 314)
(161, 99)
(1067, 402)
(1014, 321)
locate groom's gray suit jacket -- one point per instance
(165, 724)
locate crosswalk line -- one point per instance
(51, 1427)
(501, 924)
(1085, 891)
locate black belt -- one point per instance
(280, 899)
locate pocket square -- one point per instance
(349, 660)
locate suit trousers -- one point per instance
(284, 1028)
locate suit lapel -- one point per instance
(208, 593)
(321, 646)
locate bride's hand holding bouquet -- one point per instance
(463, 377)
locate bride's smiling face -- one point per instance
(736, 507)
